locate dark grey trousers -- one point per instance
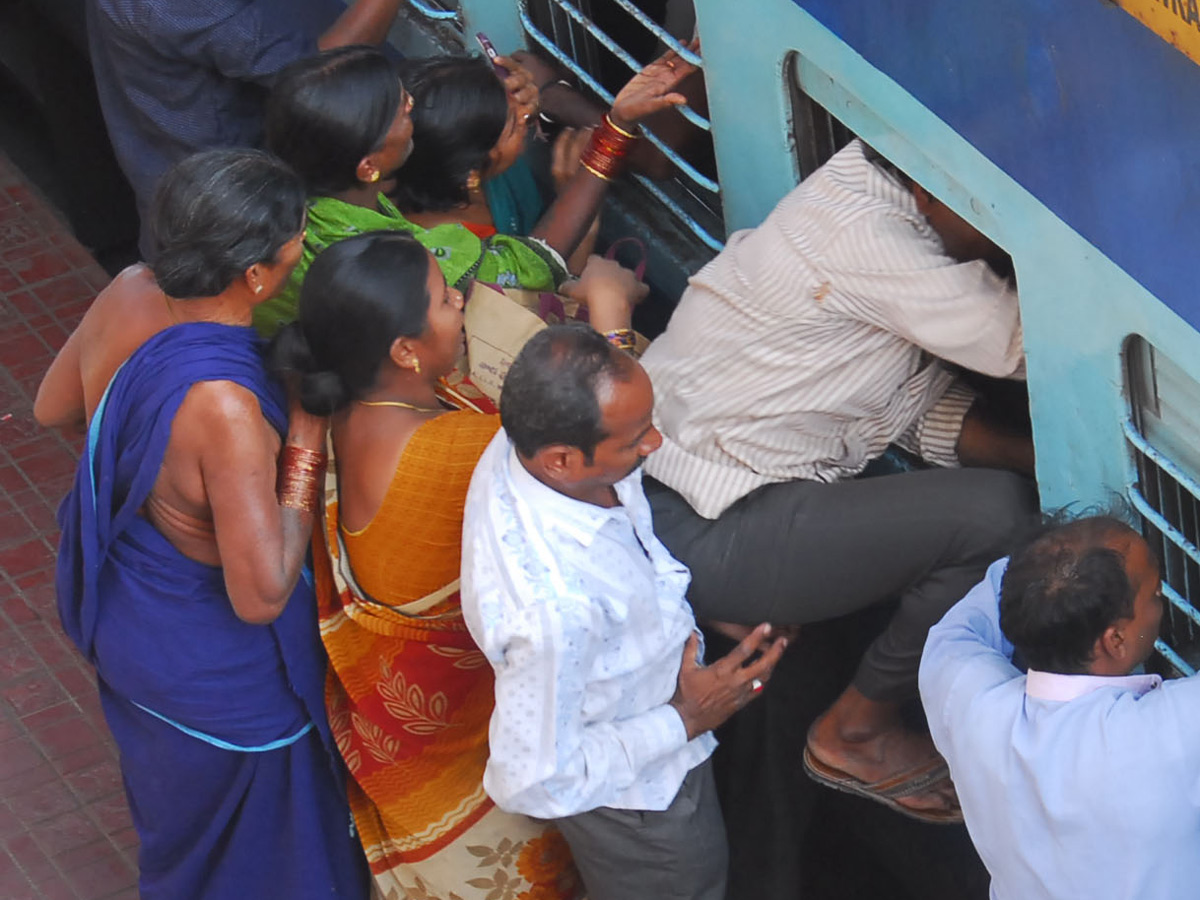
(677, 854)
(804, 551)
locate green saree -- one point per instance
(462, 256)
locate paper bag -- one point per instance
(499, 321)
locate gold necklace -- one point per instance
(401, 404)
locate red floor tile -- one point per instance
(36, 262)
(65, 737)
(65, 830)
(44, 801)
(23, 558)
(96, 782)
(102, 877)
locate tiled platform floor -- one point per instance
(64, 825)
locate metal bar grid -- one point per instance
(659, 32)
(679, 212)
(1176, 661)
(1168, 500)
(553, 46)
(438, 10)
(618, 51)
(583, 75)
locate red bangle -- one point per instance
(300, 478)
(606, 152)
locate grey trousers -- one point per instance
(677, 854)
(804, 551)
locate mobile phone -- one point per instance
(490, 52)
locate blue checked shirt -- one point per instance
(582, 613)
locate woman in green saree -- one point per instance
(469, 163)
(342, 119)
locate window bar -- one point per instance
(1193, 586)
(1174, 659)
(659, 32)
(616, 50)
(1180, 602)
(697, 229)
(582, 74)
(1170, 513)
(1187, 525)
(1163, 462)
(1177, 540)
(425, 8)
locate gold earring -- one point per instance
(374, 176)
(416, 365)
(473, 182)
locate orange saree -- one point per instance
(410, 695)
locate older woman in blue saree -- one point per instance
(180, 566)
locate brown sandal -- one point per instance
(887, 791)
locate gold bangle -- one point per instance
(617, 128)
(600, 175)
(621, 338)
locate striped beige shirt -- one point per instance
(815, 340)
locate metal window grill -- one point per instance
(437, 10)
(1166, 496)
(817, 134)
(567, 31)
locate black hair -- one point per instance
(358, 297)
(550, 391)
(217, 213)
(327, 112)
(460, 109)
(1062, 590)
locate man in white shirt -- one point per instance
(604, 710)
(794, 358)
(1077, 778)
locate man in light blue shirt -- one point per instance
(1077, 779)
(604, 711)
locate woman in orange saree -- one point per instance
(409, 694)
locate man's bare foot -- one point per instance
(867, 740)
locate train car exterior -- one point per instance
(1064, 131)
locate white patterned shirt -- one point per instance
(582, 613)
(816, 339)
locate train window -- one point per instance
(438, 10)
(816, 133)
(602, 42)
(1163, 432)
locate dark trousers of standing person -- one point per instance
(679, 853)
(806, 551)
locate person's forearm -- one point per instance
(363, 22)
(987, 444)
(567, 221)
(297, 514)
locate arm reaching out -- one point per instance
(651, 90)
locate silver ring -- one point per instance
(756, 685)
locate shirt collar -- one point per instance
(581, 520)
(1052, 686)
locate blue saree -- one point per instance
(231, 773)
